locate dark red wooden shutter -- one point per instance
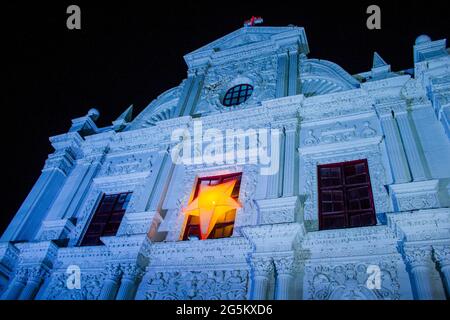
(345, 195)
(107, 218)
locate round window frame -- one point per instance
(247, 97)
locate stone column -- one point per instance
(75, 189)
(191, 92)
(17, 284)
(284, 267)
(162, 182)
(141, 197)
(293, 72)
(274, 180)
(35, 207)
(282, 75)
(290, 160)
(193, 97)
(397, 156)
(420, 265)
(411, 148)
(442, 256)
(111, 283)
(132, 275)
(35, 277)
(262, 270)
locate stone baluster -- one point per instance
(397, 156)
(285, 267)
(17, 284)
(442, 256)
(262, 269)
(420, 265)
(111, 282)
(132, 275)
(412, 152)
(36, 276)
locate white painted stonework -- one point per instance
(398, 121)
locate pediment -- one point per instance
(247, 36)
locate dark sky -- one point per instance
(128, 52)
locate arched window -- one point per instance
(237, 95)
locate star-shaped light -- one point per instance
(211, 204)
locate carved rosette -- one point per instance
(418, 256)
(262, 266)
(442, 256)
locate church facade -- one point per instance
(266, 174)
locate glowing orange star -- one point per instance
(211, 204)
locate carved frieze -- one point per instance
(348, 281)
(197, 285)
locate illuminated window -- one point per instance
(107, 218)
(237, 95)
(224, 226)
(345, 196)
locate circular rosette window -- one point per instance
(237, 95)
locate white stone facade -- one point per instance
(397, 121)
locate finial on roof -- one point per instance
(123, 119)
(422, 39)
(94, 114)
(378, 61)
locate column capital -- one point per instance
(282, 52)
(285, 265)
(291, 126)
(67, 151)
(385, 110)
(37, 274)
(262, 266)
(132, 272)
(418, 256)
(21, 274)
(112, 271)
(442, 255)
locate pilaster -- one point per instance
(35, 207)
(262, 271)
(420, 266)
(441, 254)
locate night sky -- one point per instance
(129, 52)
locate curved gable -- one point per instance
(319, 77)
(160, 109)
